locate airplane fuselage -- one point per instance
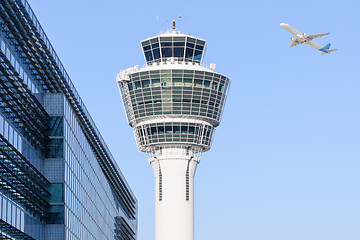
(304, 39)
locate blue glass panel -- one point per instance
(130, 86)
(221, 87)
(184, 129)
(178, 52)
(56, 126)
(166, 52)
(146, 48)
(55, 148)
(192, 130)
(137, 85)
(197, 55)
(55, 214)
(189, 53)
(168, 129)
(199, 47)
(166, 44)
(57, 192)
(156, 53)
(153, 130)
(191, 45)
(148, 56)
(180, 44)
(161, 129)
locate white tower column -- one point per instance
(173, 105)
(174, 170)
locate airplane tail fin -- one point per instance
(326, 47)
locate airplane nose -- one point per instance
(283, 24)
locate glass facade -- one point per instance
(180, 48)
(177, 92)
(58, 179)
(175, 132)
(91, 209)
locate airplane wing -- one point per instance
(311, 37)
(295, 43)
(290, 28)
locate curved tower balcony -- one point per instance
(173, 105)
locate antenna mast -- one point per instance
(157, 24)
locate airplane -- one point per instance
(307, 39)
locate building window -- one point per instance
(56, 191)
(55, 214)
(56, 126)
(55, 148)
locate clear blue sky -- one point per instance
(284, 164)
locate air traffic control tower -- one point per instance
(173, 105)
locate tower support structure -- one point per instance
(174, 168)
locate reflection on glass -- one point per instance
(55, 214)
(56, 126)
(57, 192)
(55, 148)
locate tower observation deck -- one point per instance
(173, 105)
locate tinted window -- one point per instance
(56, 126)
(166, 52)
(155, 82)
(190, 45)
(146, 48)
(145, 83)
(197, 55)
(166, 44)
(179, 52)
(179, 44)
(156, 53)
(189, 53)
(55, 148)
(155, 45)
(198, 47)
(148, 56)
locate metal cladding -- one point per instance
(173, 105)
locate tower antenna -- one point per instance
(180, 23)
(174, 28)
(157, 24)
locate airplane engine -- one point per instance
(304, 34)
(292, 39)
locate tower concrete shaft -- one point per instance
(173, 105)
(174, 170)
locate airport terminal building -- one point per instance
(58, 179)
